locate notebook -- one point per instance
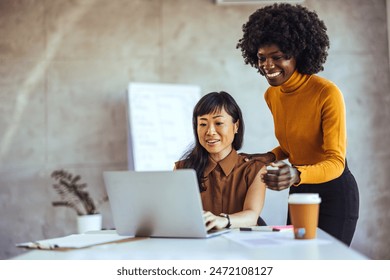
(157, 204)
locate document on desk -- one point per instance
(262, 238)
(75, 241)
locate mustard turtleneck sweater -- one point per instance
(310, 125)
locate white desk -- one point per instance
(225, 246)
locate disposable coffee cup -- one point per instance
(304, 210)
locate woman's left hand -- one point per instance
(281, 177)
(213, 222)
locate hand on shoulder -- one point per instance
(266, 158)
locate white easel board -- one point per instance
(160, 124)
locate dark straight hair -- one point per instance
(196, 157)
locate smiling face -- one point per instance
(216, 133)
(276, 66)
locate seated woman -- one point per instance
(231, 188)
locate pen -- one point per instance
(269, 229)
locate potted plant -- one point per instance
(74, 195)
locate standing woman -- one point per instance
(288, 45)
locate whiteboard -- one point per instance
(160, 124)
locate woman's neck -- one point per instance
(221, 155)
(294, 82)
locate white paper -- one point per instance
(74, 241)
(255, 239)
(160, 120)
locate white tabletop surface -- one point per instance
(233, 245)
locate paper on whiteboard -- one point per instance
(160, 120)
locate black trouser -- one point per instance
(339, 208)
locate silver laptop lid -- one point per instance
(156, 203)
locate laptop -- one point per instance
(157, 204)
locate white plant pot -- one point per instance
(89, 223)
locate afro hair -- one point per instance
(298, 33)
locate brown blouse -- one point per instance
(227, 183)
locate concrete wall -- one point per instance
(65, 66)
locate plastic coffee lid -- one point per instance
(304, 198)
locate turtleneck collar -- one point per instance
(294, 82)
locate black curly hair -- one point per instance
(298, 33)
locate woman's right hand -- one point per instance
(266, 158)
